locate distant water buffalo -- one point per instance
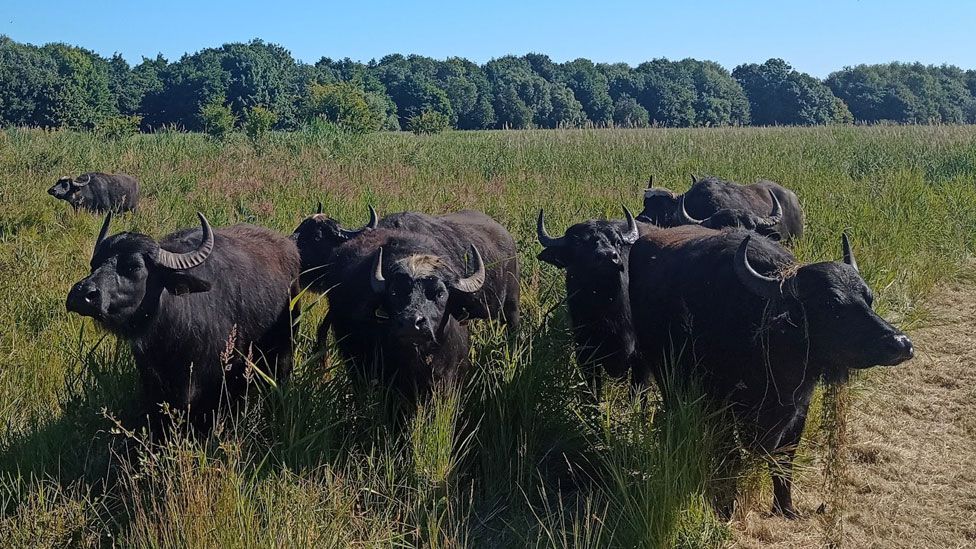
(595, 255)
(98, 192)
(758, 331)
(397, 306)
(193, 306)
(764, 207)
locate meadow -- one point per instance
(520, 455)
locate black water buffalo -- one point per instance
(595, 255)
(193, 306)
(757, 330)
(317, 237)
(98, 192)
(397, 307)
(454, 233)
(765, 207)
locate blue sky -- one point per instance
(816, 36)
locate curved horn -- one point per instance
(188, 260)
(848, 252)
(79, 183)
(761, 285)
(693, 179)
(376, 280)
(774, 216)
(319, 209)
(102, 233)
(373, 222)
(685, 216)
(632, 233)
(544, 238)
(476, 280)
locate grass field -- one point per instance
(518, 456)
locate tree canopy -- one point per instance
(59, 85)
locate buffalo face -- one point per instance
(844, 331)
(318, 236)
(595, 246)
(128, 273)
(418, 292)
(660, 205)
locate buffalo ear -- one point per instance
(554, 256)
(181, 282)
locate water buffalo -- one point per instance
(317, 237)
(98, 192)
(454, 233)
(766, 207)
(192, 306)
(595, 255)
(759, 331)
(397, 307)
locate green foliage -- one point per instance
(217, 118)
(628, 113)
(428, 123)
(780, 95)
(906, 93)
(117, 127)
(345, 105)
(258, 122)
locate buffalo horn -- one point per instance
(373, 221)
(848, 252)
(476, 280)
(188, 260)
(102, 233)
(632, 233)
(544, 238)
(761, 285)
(376, 281)
(774, 216)
(685, 216)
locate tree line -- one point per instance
(258, 86)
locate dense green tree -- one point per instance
(522, 98)
(628, 113)
(81, 98)
(691, 93)
(344, 104)
(27, 77)
(778, 94)
(411, 83)
(591, 89)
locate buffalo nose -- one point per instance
(903, 344)
(91, 296)
(419, 323)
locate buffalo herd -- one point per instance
(697, 287)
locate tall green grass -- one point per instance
(519, 455)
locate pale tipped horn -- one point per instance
(371, 224)
(761, 285)
(188, 260)
(848, 252)
(685, 216)
(544, 238)
(376, 281)
(774, 216)
(102, 233)
(82, 182)
(476, 280)
(632, 233)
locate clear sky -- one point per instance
(816, 36)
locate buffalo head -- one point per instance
(833, 304)
(129, 272)
(660, 206)
(419, 291)
(317, 237)
(597, 246)
(66, 187)
(734, 217)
